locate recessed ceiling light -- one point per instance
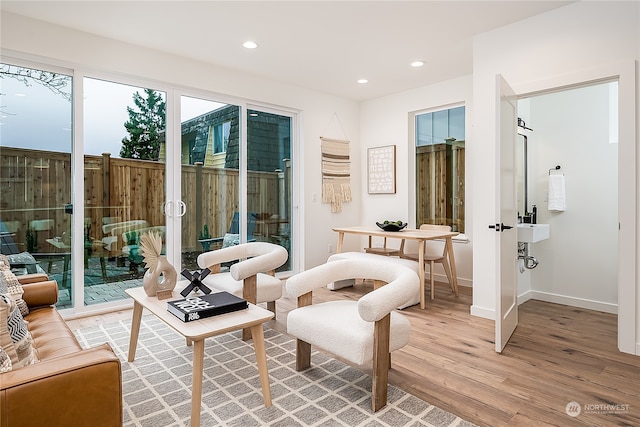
(363, 81)
(417, 64)
(250, 45)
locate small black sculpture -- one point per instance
(196, 284)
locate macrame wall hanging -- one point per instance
(336, 175)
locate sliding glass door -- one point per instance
(36, 143)
(124, 183)
(222, 207)
(209, 177)
(75, 208)
(269, 136)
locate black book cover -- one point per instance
(203, 306)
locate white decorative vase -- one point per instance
(152, 282)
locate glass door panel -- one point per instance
(35, 173)
(124, 183)
(210, 179)
(269, 178)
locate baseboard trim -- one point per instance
(485, 313)
(442, 278)
(570, 301)
(556, 299)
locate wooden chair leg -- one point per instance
(381, 363)
(271, 306)
(249, 292)
(433, 283)
(303, 355)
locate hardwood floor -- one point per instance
(557, 355)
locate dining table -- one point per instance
(420, 236)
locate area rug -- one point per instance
(157, 384)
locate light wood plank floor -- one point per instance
(557, 355)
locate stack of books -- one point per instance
(203, 306)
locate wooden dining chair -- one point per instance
(432, 259)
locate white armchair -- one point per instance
(360, 331)
(253, 278)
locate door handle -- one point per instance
(182, 208)
(500, 227)
(166, 209)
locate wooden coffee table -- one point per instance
(195, 332)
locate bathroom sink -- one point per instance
(531, 233)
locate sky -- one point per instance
(35, 117)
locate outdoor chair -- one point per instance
(360, 331)
(233, 235)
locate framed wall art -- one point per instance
(381, 170)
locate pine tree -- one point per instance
(144, 126)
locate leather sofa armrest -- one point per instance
(32, 278)
(83, 388)
(38, 294)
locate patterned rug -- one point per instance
(157, 385)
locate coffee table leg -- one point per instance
(261, 358)
(196, 386)
(135, 330)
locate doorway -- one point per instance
(576, 130)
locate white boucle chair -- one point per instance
(360, 331)
(253, 278)
(413, 265)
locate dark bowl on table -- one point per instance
(391, 226)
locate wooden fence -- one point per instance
(440, 185)
(36, 186)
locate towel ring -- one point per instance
(556, 168)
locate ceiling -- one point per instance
(321, 45)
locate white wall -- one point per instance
(551, 47)
(579, 263)
(385, 121)
(69, 48)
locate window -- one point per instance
(439, 137)
(221, 133)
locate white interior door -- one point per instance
(507, 298)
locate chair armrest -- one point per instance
(86, 385)
(211, 240)
(257, 257)
(32, 278)
(315, 278)
(38, 294)
(382, 301)
(266, 261)
(219, 256)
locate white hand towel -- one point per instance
(557, 194)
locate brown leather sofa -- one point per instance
(68, 386)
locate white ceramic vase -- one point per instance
(152, 282)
